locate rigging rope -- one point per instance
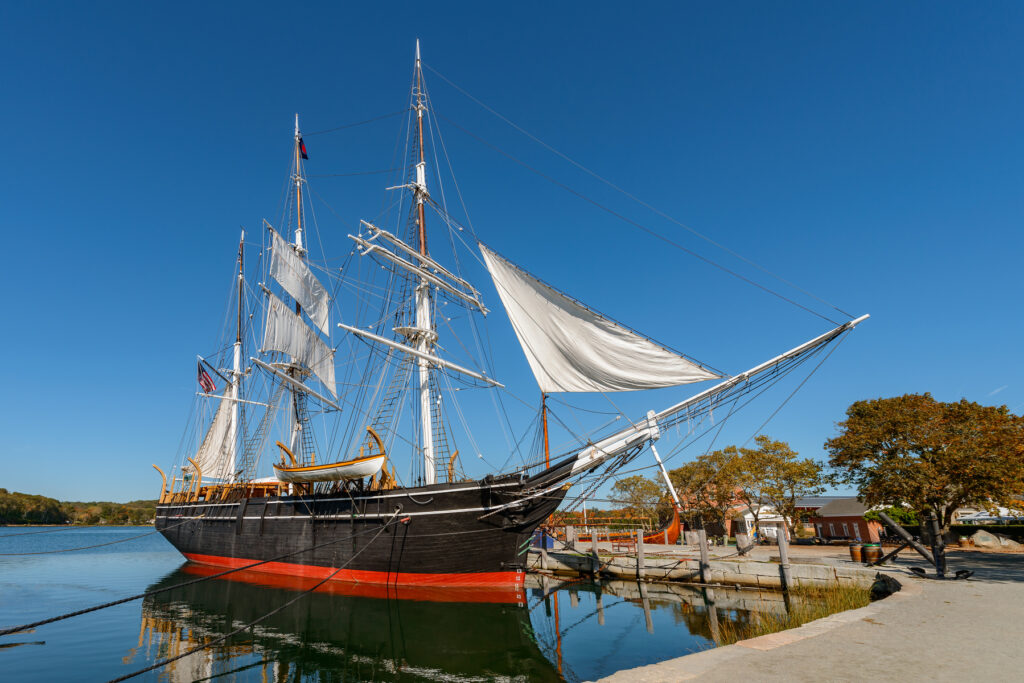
(86, 547)
(357, 123)
(95, 608)
(45, 531)
(266, 616)
(637, 199)
(638, 225)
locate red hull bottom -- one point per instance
(469, 587)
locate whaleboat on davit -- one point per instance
(337, 504)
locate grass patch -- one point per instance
(805, 605)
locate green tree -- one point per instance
(782, 478)
(708, 486)
(933, 456)
(903, 516)
(639, 494)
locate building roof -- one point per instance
(842, 507)
(817, 501)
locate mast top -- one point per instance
(296, 124)
(417, 52)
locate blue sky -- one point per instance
(870, 153)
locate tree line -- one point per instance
(24, 508)
(911, 453)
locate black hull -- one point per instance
(463, 534)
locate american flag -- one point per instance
(205, 381)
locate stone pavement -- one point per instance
(931, 630)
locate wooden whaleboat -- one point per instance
(360, 468)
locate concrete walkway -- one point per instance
(931, 630)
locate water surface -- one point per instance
(552, 631)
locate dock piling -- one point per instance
(640, 554)
(784, 557)
(705, 564)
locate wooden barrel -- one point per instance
(872, 552)
(855, 552)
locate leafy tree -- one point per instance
(903, 516)
(780, 478)
(708, 486)
(934, 456)
(639, 494)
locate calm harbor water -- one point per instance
(341, 632)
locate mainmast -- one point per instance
(425, 335)
(236, 371)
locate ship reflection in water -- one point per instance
(552, 631)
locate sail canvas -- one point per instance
(299, 281)
(214, 454)
(572, 348)
(286, 332)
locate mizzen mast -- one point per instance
(236, 372)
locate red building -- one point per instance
(843, 519)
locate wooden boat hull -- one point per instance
(336, 471)
(472, 533)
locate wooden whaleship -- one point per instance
(354, 497)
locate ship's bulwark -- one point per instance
(460, 534)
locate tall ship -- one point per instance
(323, 439)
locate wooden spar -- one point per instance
(419, 125)
(199, 477)
(163, 485)
(544, 415)
(423, 323)
(294, 382)
(236, 367)
(419, 354)
(298, 185)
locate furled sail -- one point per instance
(572, 348)
(214, 454)
(286, 332)
(297, 279)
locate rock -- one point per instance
(884, 586)
(1008, 543)
(983, 539)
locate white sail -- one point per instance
(286, 332)
(572, 348)
(214, 454)
(297, 279)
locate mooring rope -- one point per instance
(44, 531)
(95, 608)
(245, 627)
(88, 547)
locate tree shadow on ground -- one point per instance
(987, 567)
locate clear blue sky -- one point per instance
(869, 152)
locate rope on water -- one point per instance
(245, 627)
(114, 603)
(44, 531)
(88, 547)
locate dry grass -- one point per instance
(805, 605)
